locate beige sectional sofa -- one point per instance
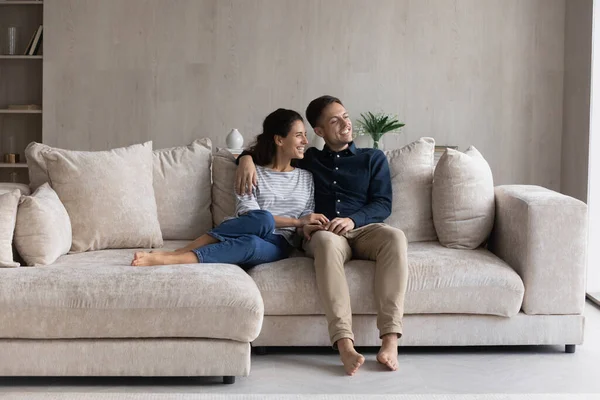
(89, 313)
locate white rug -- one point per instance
(192, 396)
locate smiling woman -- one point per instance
(268, 214)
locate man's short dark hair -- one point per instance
(316, 107)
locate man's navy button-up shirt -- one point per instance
(353, 183)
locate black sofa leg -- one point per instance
(260, 350)
(229, 380)
(570, 348)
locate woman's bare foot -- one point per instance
(388, 354)
(143, 259)
(351, 359)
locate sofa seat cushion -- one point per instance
(98, 295)
(440, 281)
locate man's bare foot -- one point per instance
(351, 359)
(388, 354)
(143, 259)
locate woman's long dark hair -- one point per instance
(279, 123)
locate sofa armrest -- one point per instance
(542, 234)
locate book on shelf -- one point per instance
(30, 41)
(35, 42)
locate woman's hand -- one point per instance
(313, 219)
(308, 230)
(245, 176)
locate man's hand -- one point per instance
(245, 176)
(339, 226)
(308, 230)
(313, 219)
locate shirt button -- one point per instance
(334, 182)
(339, 201)
(336, 168)
(338, 156)
(338, 213)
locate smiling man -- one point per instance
(353, 190)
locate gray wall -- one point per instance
(576, 114)
(487, 73)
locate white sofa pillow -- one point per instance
(43, 229)
(223, 195)
(463, 199)
(411, 170)
(8, 217)
(108, 195)
(182, 187)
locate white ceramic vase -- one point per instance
(235, 140)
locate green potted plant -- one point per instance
(377, 125)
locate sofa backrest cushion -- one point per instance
(223, 196)
(411, 169)
(463, 199)
(36, 165)
(43, 230)
(182, 187)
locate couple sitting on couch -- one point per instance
(350, 190)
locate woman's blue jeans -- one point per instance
(247, 240)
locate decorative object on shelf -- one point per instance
(8, 146)
(24, 107)
(12, 158)
(439, 150)
(11, 41)
(235, 140)
(377, 125)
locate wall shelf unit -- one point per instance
(20, 83)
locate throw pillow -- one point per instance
(463, 199)
(43, 229)
(8, 217)
(108, 195)
(411, 170)
(182, 187)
